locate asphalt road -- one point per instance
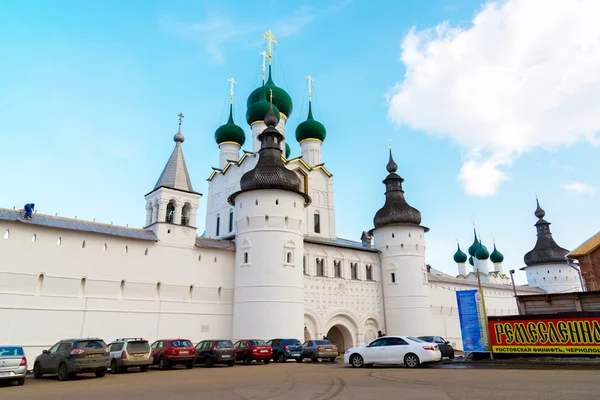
(321, 381)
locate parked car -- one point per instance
(406, 350)
(444, 345)
(323, 349)
(211, 352)
(129, 353)
(13, 364)
(251, 350)
(284, 349)
(169, 352)
(70, 357)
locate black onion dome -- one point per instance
(545, 250)
(395, 210)
(270, 172)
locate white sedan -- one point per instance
(406, 350)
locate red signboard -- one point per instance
(546, 336)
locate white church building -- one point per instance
(268, 264)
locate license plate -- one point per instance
(93, 356)
(184, 352)
(264, 351)
(295, 354)
(225, 356)
(6, 373)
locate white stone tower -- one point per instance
(172, 205)
(268, 281)
(546, 265)
(400, 239)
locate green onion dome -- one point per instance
(482, 253)
(496, 256)
(310, 129)
(475, 244)
(460, 257)
(288, 151)
(257, 110)
(471, 261)
(230, 132)
(281, 99)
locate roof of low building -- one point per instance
(77, 225)
(215, 243)
(586, 247)
(339, 242)
(448, 279)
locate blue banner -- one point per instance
(473, 324)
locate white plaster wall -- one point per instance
(554, 278)
(268, 288)
(119, 296)
(311, 151)
(407, 301)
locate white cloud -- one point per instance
(523, 75)
(580, 188)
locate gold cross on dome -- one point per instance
(264, 64)
(271, 95)
(270, 38)
(231, 83)
(390, 143)
(309, 79)
(180, 115)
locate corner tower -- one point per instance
(399, 237)
(268, 277)
(546, 265)
(172, 205)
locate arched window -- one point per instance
(320, 266)
(126, 250)
(231, 221)
(33, 238)
(40, 284)
(191, 292)
(218, 230)
(369, 272)
(393, 277)
(246, 258)
(83, 244)
(59, 241)
(354, 270)
(170, 217)
(337, 268)
(82, 285)
(122, 289)
(7, 234)
(288, 257)
(185, 214)
(219, 292)
(158, 286)
(105, 247)
(146, 252)
(304, 269)
(317, 222)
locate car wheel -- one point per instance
(451, 356)
(357, 361)
(231, 363)
(21, 381)
(247, 360)
(266, 361)
(299, 359)
(63, 373)
(37, 371)
(332, 359)
(313, 357)
(163, 364)
(280, 358)
(189, 365)
(113, 367)
(100, 373)
(144, 368)
(208, 362)
(411, 360)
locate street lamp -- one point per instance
(512, 271)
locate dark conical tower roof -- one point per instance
(395, 210)
(546, 250)
(270, 172)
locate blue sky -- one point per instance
(90, 92)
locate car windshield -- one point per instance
(138, 346)
(91, 344)
(257, 343)
(181, 343)
(322, 342)
(11, 351)
(416, 340)
(224, 344)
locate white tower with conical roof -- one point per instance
(172, 205)
(399, 237)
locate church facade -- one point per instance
(269, 263)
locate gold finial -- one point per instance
(264, 64)
(271, 95)
(390, 143)
(536, 196)
(270, 38)
(231, 83)
(309, 79)
(180, 115)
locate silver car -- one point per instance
(13, 364)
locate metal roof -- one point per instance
(339, 242)
(586, 247)
(448, 279)
(175, 175)
(77, 225)
(215, 243)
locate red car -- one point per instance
(169, 352)
(250, 350)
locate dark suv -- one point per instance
(284, 349)
(211, 352)
(169, 352)
(70, 357)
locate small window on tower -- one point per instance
(289, 257)
(317, 223)
(245, 258)
(218, 231)
(230, 221)
(393, 277)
